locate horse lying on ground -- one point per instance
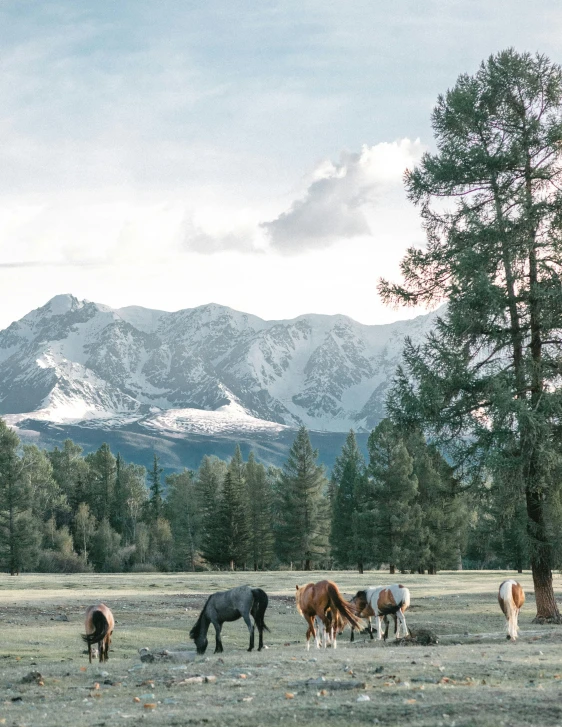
(323, 600)
(99, 628)
(511, 597)
(239, 602)
(385, 601)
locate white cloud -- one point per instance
(343, 199)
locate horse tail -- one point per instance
(405, 596)
(509, 606)
(258, 607)
(196, 630)
(101, 629)
(342, 607)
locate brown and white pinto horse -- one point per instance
(385, 601)
(364, 610)
(323, 600)
(99, 627)
(511, 597)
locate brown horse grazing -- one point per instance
(99, 627)
(324, 600)
(511, 597)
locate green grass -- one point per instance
(472, 677)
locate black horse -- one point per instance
(239, 602)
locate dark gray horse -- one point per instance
(239, 602)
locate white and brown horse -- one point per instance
(99, 627)
(511, 597)
(382, 601)
(323, 600)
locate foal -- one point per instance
(99, 627)
(511, 597)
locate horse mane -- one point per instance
(197, 628)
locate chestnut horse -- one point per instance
(385, 601)
(323, 600)
(511, 597)
(99, 627)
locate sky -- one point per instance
(175, 153)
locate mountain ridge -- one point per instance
(205, 369)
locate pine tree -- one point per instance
(304, 524)
(485, 383)
(233, 521)
(347, 476)
(19, 536)
(184, 517)
(208, 486)
(442, 505)
(156, 500)
(260, 506)
(100, 482)
(70, 472)
(396, 514)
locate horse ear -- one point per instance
(297, 588)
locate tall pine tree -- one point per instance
(398, 534)
(303, 529)
(19, 532)
(348, 477)
(260, 511)
(486, 382)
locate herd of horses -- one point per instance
(321, 604)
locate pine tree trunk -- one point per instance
(541, 559)
(307, 564)
(360, 567)
(231, 565)
(392, 570)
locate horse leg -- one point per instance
(402, 628)
(89, 652)
(387, 625)
(379, 619)
(251, 629)
(218, 642)
(310, 631)
(371, 629)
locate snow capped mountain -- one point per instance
(208, 369)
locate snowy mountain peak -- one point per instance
(200, 369)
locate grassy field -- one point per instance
(472, 677)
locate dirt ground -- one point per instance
(473, 676)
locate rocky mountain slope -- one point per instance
(203, 370)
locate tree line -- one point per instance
(63, 511)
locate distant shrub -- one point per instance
(51, 561)
(144, 568)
